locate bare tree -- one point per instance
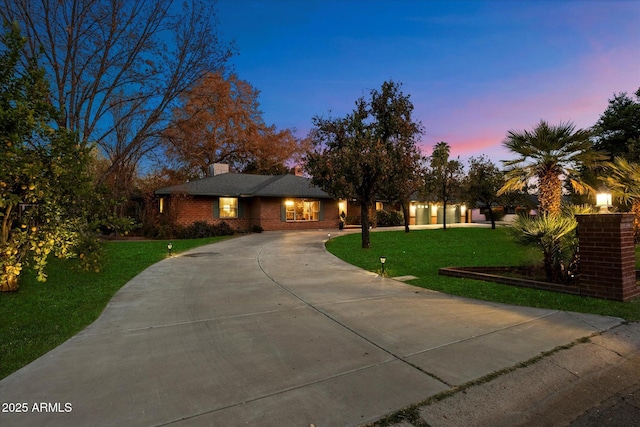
(117, 66)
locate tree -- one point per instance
(549, 154)
(354, 157)
(219, 121)
(617, 131)
(117, 67)
(43, 178)
(481, 185)
(443, 178)
(391, 111)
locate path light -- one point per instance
(383, 261)
(170, 247)
(603, 201)
(328, 235)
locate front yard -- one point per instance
(421, 252)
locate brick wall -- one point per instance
(261, 211)
(270, 216)
(607, 256)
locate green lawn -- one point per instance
(41, 316)
(421, 252)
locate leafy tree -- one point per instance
(117, 67)
(391, 111)
(443, 180)
(617, 131)
(43, 178)
(481, 185)
(219, 121)
(355, 156)
(549, 154)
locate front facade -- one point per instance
(244, 201)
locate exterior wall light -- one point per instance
(170, 247)
(383, 261)
(603, 201)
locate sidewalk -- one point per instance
(594, 383)
(271, 330)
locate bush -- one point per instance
(256, 229)
(555, 236)
(201, 229)
(389, 218)
(498, 214)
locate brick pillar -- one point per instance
(607, 257)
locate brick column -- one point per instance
(607, 257)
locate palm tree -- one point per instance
(624, 181)
(549, 154)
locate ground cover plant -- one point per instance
(41, 316)
(421, 252)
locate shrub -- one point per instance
(389, 218)
(201, 229)
(555, 236)
(498, 214)
(256, 229)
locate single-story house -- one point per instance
(281, 202)
(244, 201)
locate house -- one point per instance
(281, 202)
(245, 201)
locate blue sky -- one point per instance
(473, 69)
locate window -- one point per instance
(228, 207)
(161, 204)
(302, 210)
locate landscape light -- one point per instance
(383, 261)
(603, 201)
(170, 247)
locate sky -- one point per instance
(473, 69)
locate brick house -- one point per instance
(282, 202)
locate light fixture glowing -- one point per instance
(170, 247)
(383, 261)
(603, 201)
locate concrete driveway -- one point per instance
(271, 330)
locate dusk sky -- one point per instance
(474, 69)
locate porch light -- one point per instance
(170, 247)
(383, 261)
(603, 201)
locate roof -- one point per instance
(247, 185)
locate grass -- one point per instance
(421, 252)
(41, 316)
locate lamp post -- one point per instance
(383, 260)
(170, 247)
(603, 201)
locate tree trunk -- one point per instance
(444, 215)
(550, 194)
(406, 215)
(364, 215)
(635, 209)
(491, 218)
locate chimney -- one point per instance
(218, 169)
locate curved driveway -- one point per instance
(271, 330)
